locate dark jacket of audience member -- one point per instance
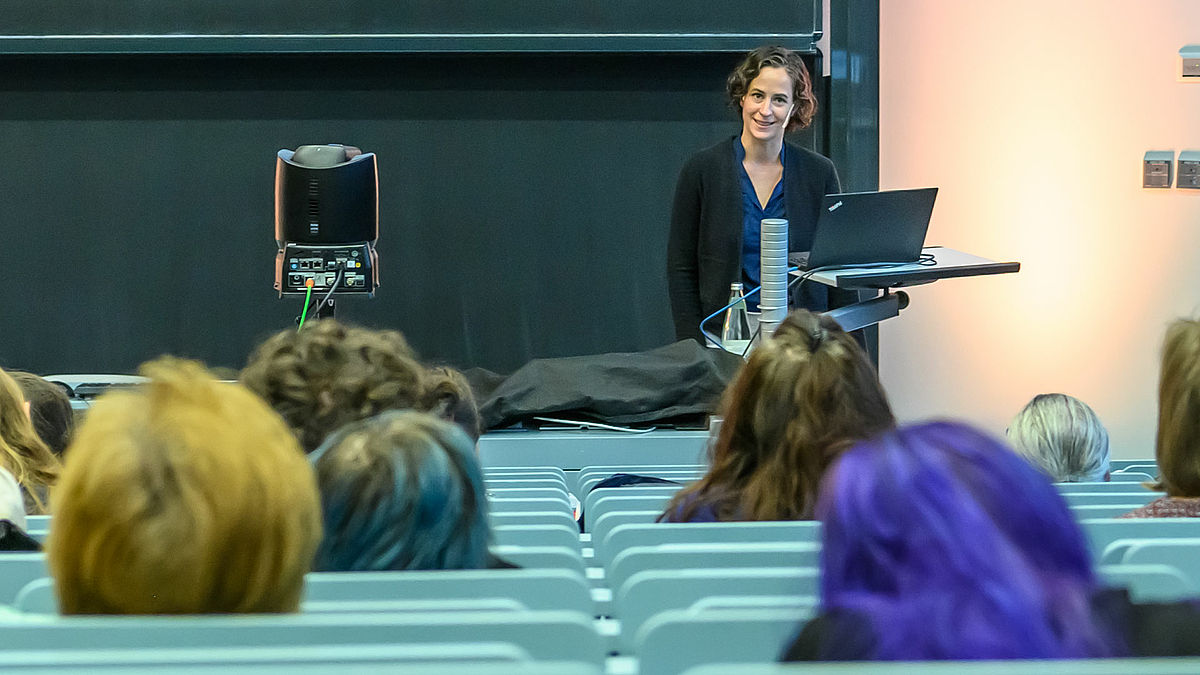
(50, 409)
(1177, 444)
(941, 543)
(401, 491)
(801, 399)
(328, 375)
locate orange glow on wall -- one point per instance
(1032, 118)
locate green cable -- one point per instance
(304, 313)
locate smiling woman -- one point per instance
(725, 191)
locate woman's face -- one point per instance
(768, 104)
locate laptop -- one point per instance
(861, 228)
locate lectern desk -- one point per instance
(947, 264)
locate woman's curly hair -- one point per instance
(776, 57)
(330, 374)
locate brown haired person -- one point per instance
(330, 374)
(725, 191)
(803, 398)
(1177, 445)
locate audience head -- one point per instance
(401, 491)
(1177, 446)
(447, 395)
(802, 398)
(329, 374)
(1063, 436)
(183, 496)
(50, 409)
(22, 451)
(954, 547)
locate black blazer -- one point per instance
(704, 252)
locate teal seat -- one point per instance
(1182, 554)
(547, 636)
(598, 473)
(1141, 498)
(305, 659)
(510, 470)
(525, 483)
(625, 502)
(17, 570)
(1087, 511)
(589, 482)
(1182, 666)
(674, 641)
(1121, 464)
(494, 493)
(1066, 488)
(1102, 532)
(602, 527)
(36, 522)
(537, 535)
(543, 557)
(38, 598)
(1131, 477)
(534, 518)
(648, 593)
(620, 538)
(709, 556)
(653, 490)
(384, 668)
(1149, 583)
(536, 589)
(506, 505)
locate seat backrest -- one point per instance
(711, 555)
(547, 483)
(647, 593)
(1149, 583)
(527, 493)
(674, 641)
(17, 570)
(552, 635)
(1122, 464)
(624, 536)
(496, 470)
(1101, 532)
(507, 505)
(603, 526)
(534, 518)
(1182, 554)
(589, 482)
(589, 473)
(1140, 498)
(541, 589)
(625, 502)
(537, 535)
(1131, 477)
(1087, 511)
(543, 557)
(1177, 666)
(648, 490)
(1071, 488)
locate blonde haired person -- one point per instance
(1063, 437)
(183, 496)
(1177, 444)
(22, 451)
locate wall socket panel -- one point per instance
(1157, 169)
(1188, 69)
(1188, 170)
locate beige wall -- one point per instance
(1032, 118)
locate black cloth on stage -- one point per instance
(677, 380)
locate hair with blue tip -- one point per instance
(401, 491)
(954, 547)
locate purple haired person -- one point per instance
(939, 542)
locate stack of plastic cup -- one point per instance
(772, 300)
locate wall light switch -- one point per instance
(1157, 169)
(1188, 170)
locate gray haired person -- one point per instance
(1063, 436)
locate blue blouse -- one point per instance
(753, 214)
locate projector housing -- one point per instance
(326, 220)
